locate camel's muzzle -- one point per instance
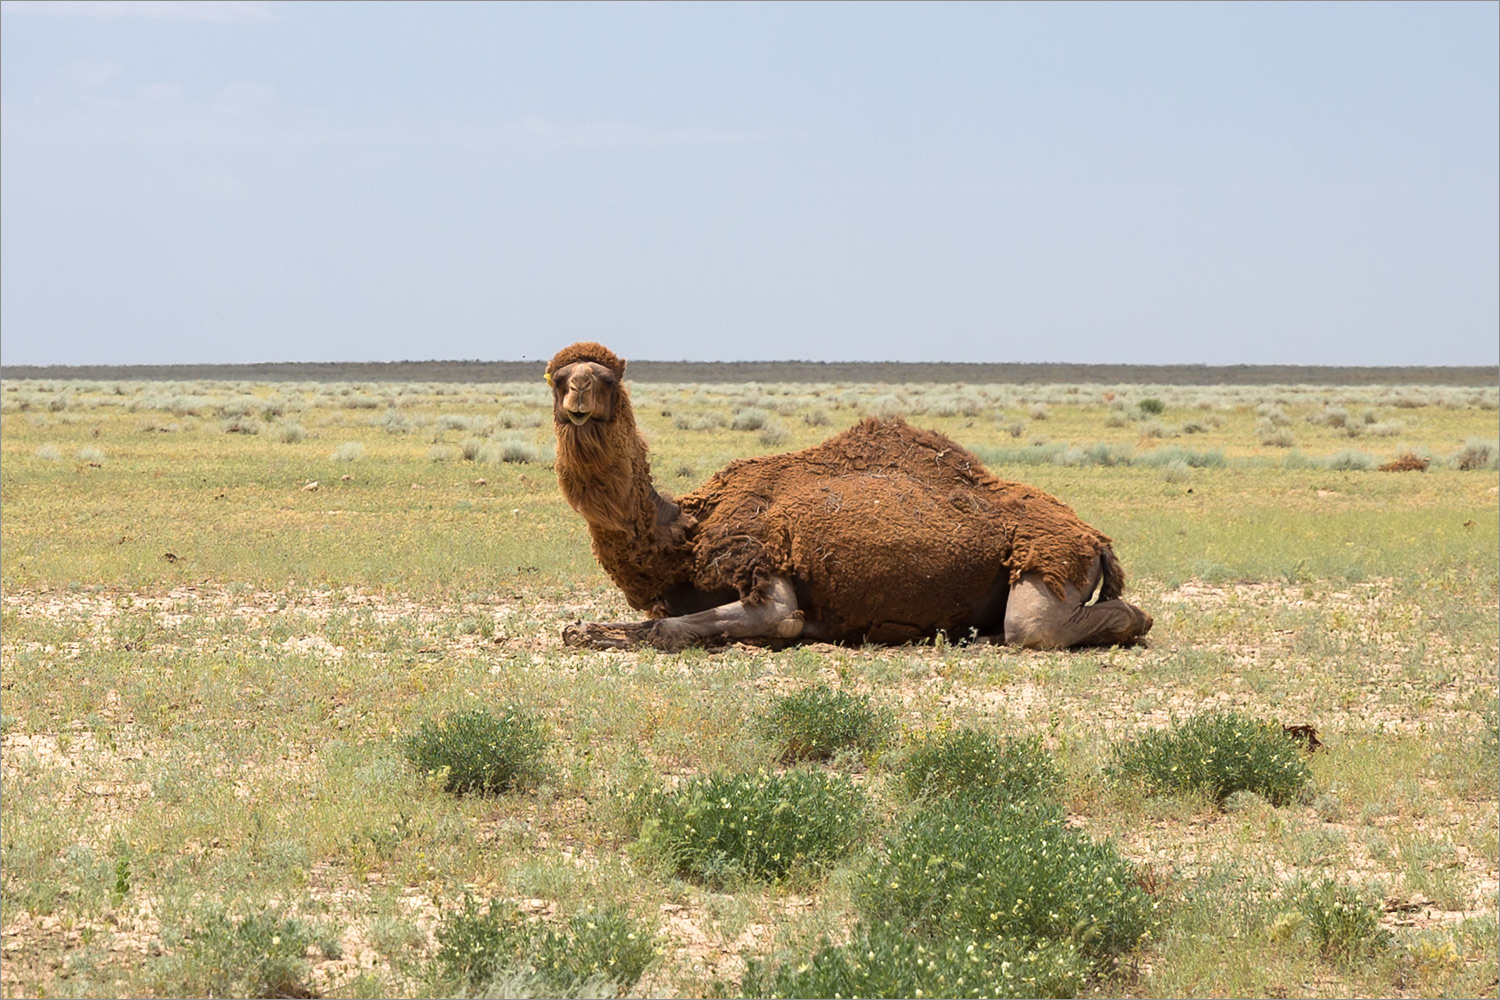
(579, 419)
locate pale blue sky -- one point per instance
(1218, 183)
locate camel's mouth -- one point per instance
(579, 419)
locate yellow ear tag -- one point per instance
(548, 377)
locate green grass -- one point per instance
(200, 748)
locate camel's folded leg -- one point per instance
(1036, 619)
(776, 617)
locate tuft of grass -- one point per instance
(349, 451)
(478, 751)
(818, 722)
(599, 947)
(291, 433)
(726, 828)
(49, 453)
(1217, 754)
(92, 455)
(969, 762)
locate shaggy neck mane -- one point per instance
(605, 475)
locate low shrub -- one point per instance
(240, 425)
(291, 433)
(1015, 872)
(749, 419)
(91, 455)
(968, 762)
(1340, 920)
(816, 723)
(1151, 405)
(49, 452)
(762, 827)
(264, 955)
(349, 451)
(1216, 754)
(478, 751)
(509, 449)
(602, 947)
(1210, 459)
(1476, 454)
(773, 433)
(886, 961)
(1350, 460)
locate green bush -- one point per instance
(477, 751)
(604, 946)
(1012, 872)
(966, 761)
(1339, 919)
(763, 827)
(1151, 405)
(263, 955)
(816, 723)
(1217, 754)
(885, 961)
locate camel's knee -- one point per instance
(1034, 616)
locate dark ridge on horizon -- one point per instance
(783, 371)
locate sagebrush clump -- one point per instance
(479, 751)
(1217, 754)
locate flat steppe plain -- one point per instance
(224, 604)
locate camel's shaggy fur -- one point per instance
(885, 532)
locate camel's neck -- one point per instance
(605, 475)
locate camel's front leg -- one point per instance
(776, 617)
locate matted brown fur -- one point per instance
(887, 531)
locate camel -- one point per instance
(884, 533)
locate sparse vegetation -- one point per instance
(208, 706)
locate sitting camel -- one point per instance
(884, 533)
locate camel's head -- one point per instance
(585, 381)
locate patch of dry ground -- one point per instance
(1121, 691)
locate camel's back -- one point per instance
(886, 517)
(870, 447)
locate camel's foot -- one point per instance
(619, 635)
